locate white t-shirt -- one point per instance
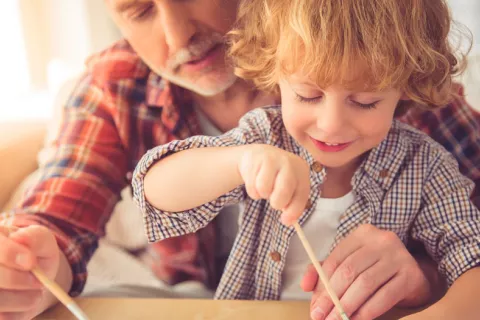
(227, 220)
(320, 230)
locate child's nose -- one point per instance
(331, 117)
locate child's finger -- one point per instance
(282, 191)
(251, 188)
(248, 171)
(265, 180)
(296, 207)
(294, 210)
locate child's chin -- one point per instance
(334, 161)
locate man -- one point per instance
(168, 80)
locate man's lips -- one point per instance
(330, 147)
(206, 60)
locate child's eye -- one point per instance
(307, 100)
(367, 106)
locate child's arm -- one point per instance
(190, 178)
(180, 187)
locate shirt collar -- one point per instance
(383, 162)
(158, 92)
(175, 103)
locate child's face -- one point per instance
(335, 125)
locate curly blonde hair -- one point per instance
(400, 44)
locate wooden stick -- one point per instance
(320, 272)
(55, 289)
(61, 295)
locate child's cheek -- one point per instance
(296, 122)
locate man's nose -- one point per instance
(177, 24)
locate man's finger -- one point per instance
(39, 239)
(19, 301)
(344, 249)
(367, 284)
(15, 255)
(321, 305)
(309, 280)
(353, 266)
(12, 279)
(383, 300)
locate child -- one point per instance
(343, 69)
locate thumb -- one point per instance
(13, 254)
(39, 240)
(310, 279)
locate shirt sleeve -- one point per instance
(80, 181)
(449, 223)
(253, 128)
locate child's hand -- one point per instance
(278, 176)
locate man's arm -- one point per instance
(79, 183)
(460, 302)
(449, 226)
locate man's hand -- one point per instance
(371, 271)
(22, 295)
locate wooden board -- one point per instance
(183, 309)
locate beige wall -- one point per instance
(63, 30)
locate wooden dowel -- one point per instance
(321, 274)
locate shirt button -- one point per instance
(275, 255)
(317, 167)
(384, 173)
(309, 205)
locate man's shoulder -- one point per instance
(117, 62)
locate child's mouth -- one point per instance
(330, 147)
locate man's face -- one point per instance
(181, 40)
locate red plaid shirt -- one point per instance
(118, 111)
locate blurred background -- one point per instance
(45, 42)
